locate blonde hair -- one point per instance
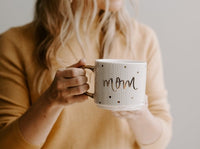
(57, 20)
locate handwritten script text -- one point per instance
(117, 83)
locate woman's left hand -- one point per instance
(130, 114)
(134, 113)
(146, 127)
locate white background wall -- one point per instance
(176, 23)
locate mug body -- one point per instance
(120, 84)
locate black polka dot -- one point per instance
(101, 65)
(110, 97)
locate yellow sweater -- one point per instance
(83, 125)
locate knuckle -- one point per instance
(79, 89)
(86, 87)
(57, 74)
(66, 84)
(77, 81)
(73, 72)
(69, 91)
(83, 89)
(84, 79)
(59, 85)
(85, 97)
(63, 95)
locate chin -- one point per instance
(115, 6)
(114, 9)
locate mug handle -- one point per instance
(90, 67)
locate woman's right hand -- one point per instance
(68, 86)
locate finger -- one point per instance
(80, 63)
(128, 114)
(79, 98)
(80, 80)
(70, 72)
(122, 114)
(75, 99)
(116, 114)
(78, 90)
(73, 82)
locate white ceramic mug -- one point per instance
(119, 84)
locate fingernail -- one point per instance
(83, 60)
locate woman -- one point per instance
(41, 79)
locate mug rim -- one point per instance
(121, 61)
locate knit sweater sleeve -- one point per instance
(156, 92)
(14, 92)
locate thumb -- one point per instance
(81, 62)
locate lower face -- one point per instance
(114, 5)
